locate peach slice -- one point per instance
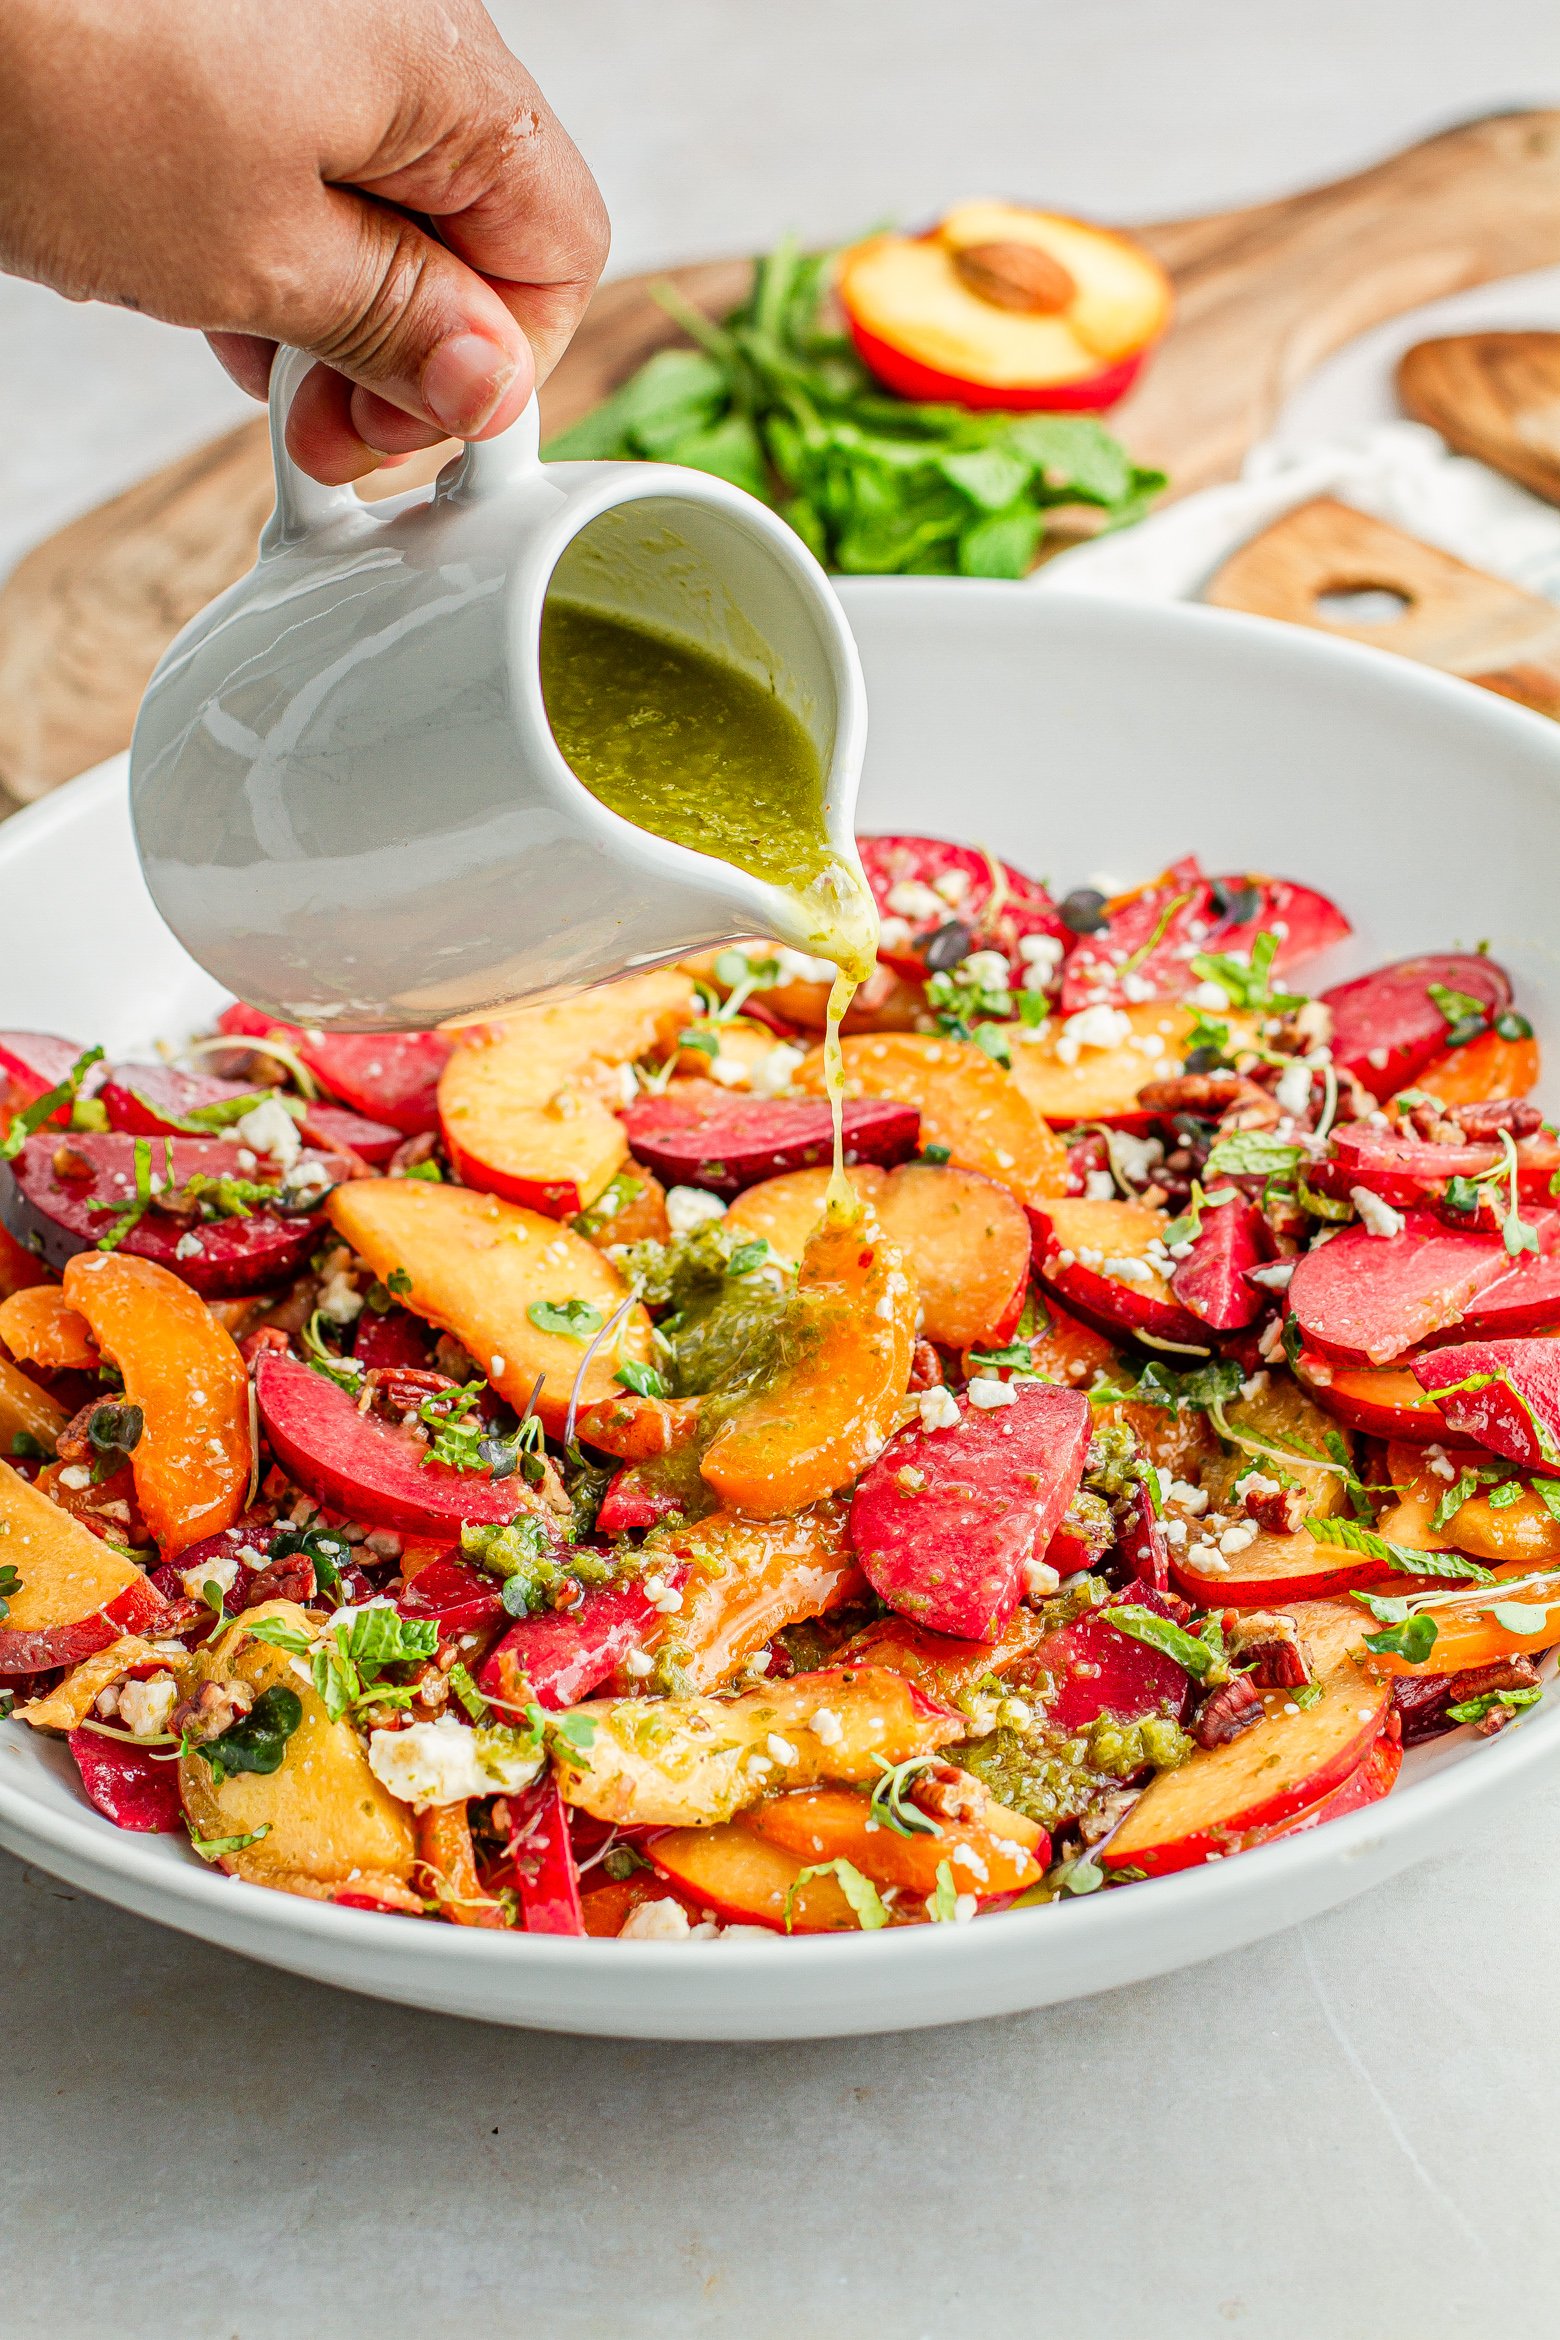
(995, 1854)
(1096, 1256)
(746, 1579)
(195, 1455)
(845, 1366)
(41, 1328)
(1005, 306)
(77, 1594)
(1276, 1569)
(1487, 1068)
(964, 1239)
(526, 1104)
(966, 1103)
(1292, 1758)
(478, 1266)
(326, 1819)
(1525, 1531)
(687, 1762)
(941, 1664)
(747, 1881)
(1384, 1400)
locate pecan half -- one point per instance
(291, 1579)
(925, 1368)
(211, 1710)
(1279, 1512)
(948, 1793)
(415, 1150)
(1229, 1711)
(1489, 1119)
(1271, 1645)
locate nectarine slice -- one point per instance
(788, 1209)
(944, 1665)
(1469, 1634)
(994, 1855)
(1107, 1261)
(41, 1328)
(1293, 1757)
(1102, 1084)
(745, 1880)
(27, 1411)
(846, 1347)
(1365, 1298)
(478, 1266)
(966, 1103)
(746, 1579)
(526, 1104)
(1384, 1400)
(195, 1455)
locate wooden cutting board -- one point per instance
(1493, 395)
(1263, 295)
(1449, 615)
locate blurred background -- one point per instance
(714, 125)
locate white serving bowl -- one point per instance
(1078, 737)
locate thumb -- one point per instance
(382, 302)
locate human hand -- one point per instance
(250, 167)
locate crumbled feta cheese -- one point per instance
(688, 1207)
(1211, 997)
(895, 934)
(1259, 1484)
(1064, 1260)
(1271, 1342)
(953, 886)
(938, 1409)
(988, 1394)
(1099, 1186)
(1040, 950)
(222, 1572)
(1293, 1088)
(1441, 1463)
(727, 1072)
(1129, 1271)
(627, 1084)
(339, 1302)
(798, 967)
(1098, 1027)
(76, 1476)
(1274, 1277)
(826, 1727)
(664, 1920)
(1376, 1216)
(1253, 1386)
(1040, 1580)
(1151, 1045)
(987, 968)
(144, 1707)
(780, 1749)
(964, 1908)
(1378, 1058)
(1236, 1539)
(1175, 1533)
(496, 1365)
(245, 1159)
(1138, 989)
(444, 1762)
(189, 1246)
(773, 1072)
(1136, 1158)
(271, 1129)
(107, 1702)
(639, 1663)
(964, 1856)
(911, 899)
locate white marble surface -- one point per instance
(1343, 2134)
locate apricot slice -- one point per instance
(1292, 1758)
(1102, 1084)
(686, 1762)
(964, 1239)
(1524, 1531)
(195, 1455)
(447, 1868)
(844, 1366)
(328, 1822)
(1280, 1417)
(41, 1328)
(1100, 1257)
(1469, 1634)
(478, 1267)
(995, 1854)
(526, 1103)
(745, 1580)
(966, 1103)
(77, 1594)
(1384, 1400)
(746, 1880)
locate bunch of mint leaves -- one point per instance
(778, 402)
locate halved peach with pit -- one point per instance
(1004, 306)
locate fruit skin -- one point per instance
(477, 1265)
(1270, 1772)
(32, 1062)
(1385, 1401)
(366, 1468)
(1277, 1569)
(950, 1550)
(1375, 1777)
(49, 1214)
(849, 1339)
(1114, 1230)
(965, 883)
(1091, 394)
(526, 1101)
(746, 1880)
(1363, 1299)
(77, 1594)
(135, 1787)
(695, 1134)
(1094, 1669)
(1003, 1852)
(1154, 933)
(389, 1076)
(1518, 1414)
(193, 1461)
(457, 1597)
(541, 1861)
(966, 1103)
(1390, 1011)
(1526, 1301)
(154, 1100)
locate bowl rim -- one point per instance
(1251, 1886)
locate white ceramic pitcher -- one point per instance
(348, 801)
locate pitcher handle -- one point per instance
(490, 467)
(302, 504)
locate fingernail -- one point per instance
(464, 380)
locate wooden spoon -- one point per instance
(1494, 395)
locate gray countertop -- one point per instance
(1342, 2134)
